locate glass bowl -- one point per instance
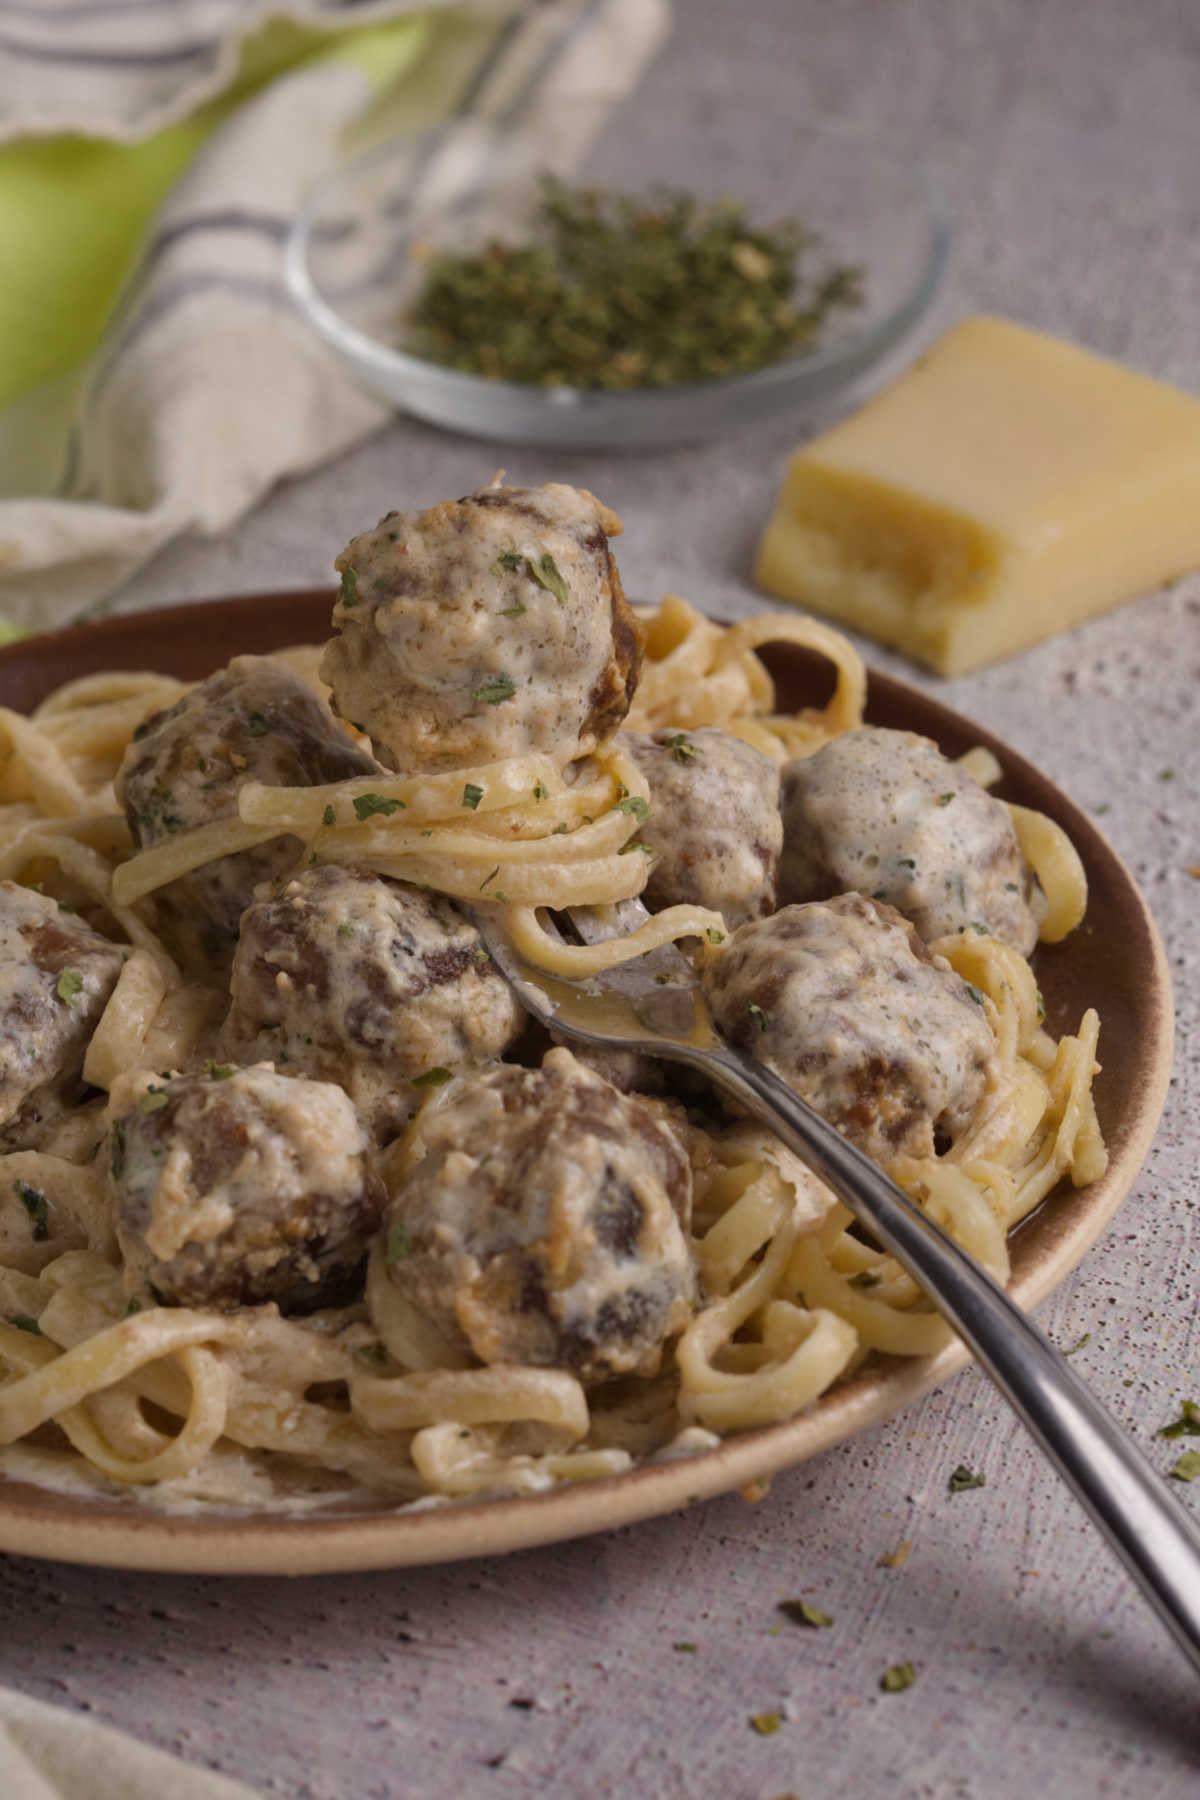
(355, 257)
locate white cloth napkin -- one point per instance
(209, 388)
(47, 1753)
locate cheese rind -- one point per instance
(1006, 487)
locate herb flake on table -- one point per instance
(800, 1612)
(963, 1478)
(766, 1723)
(1079, 1344)
(1186, 1425)
(900, 1676)
(1187, 1468)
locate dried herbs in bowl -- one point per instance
(613, 291)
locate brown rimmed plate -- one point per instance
(1114, 962)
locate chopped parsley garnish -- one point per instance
(502, 898)
(635, 806)
(898, 1677)
(633, 845)
(945, 799)
(328, 816)
(545, 571)
(512, 612)
(433, 1078)
(345, 929)
(1187, 1468)
(510, 559)
(399, 1245)
(70, 983)
(494, 691)
(974, 992)
(801, 1613)
(472, 795)
(132, 1306)
(348, 592)
(1041, 1005)
(541, 791)
(766, 1724)
(367, 805)
(681, 749)
(713, 935)
(964, 1478)
(560, 828)
(757, 1014)
(981, 928)
(685, 1649)
(258, 724)
(116, 1148)
(24, 1322)
(34, 1202)
(152, 1101)
(865, 1278)
(1186, 1425)
(1081, 1343)
(219, 1071)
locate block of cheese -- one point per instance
(1005, 487)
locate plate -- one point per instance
(1114, 961)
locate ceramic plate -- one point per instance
(1114, 961)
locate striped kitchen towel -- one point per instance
(154, 377)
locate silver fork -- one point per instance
(654, 1005)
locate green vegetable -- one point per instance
(432, 1078)
(34, 1202)
(494, 691)
(70, 983)
(510, 559)
(399, 1245)
(541, 791)
(616, 291)
(635, 806)
(472, 795)
(898, 1677)
(348, 592)
(801, 1613)
(681, 749)
(546, 573)
(367, 805)
(513, 612)
(116, 1148)
(963, 1478)
(328, 816)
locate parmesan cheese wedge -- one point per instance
(1004, 488)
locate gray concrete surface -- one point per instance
(1068, 136)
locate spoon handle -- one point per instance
(1153, 1534)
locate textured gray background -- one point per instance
(1068, 136)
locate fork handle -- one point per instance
(1153, 1534)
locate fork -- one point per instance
(654, 1004)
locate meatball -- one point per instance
(714, 822)
(485, 628)
(229, 1192)
(885, 813)
(56, 975)
(253, 721)
(547, 1221)
(381, 987)
(844, 1002)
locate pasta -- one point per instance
(105, 1376)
